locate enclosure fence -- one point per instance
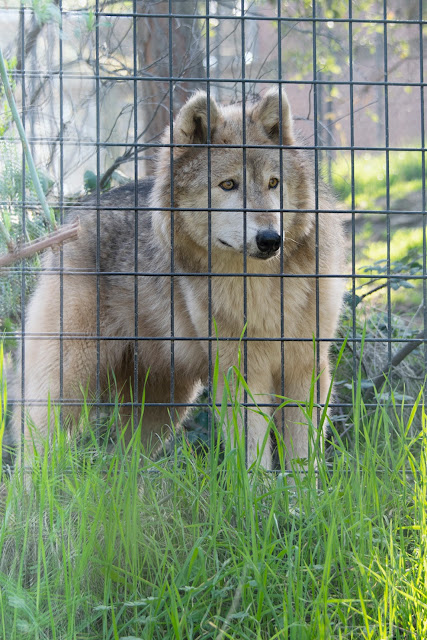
(98, 83)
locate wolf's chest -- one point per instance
(257, 300)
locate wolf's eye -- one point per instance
(227, 185)
(273, 183)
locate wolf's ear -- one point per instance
(274, 113)
(191, 125)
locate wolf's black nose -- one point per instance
(268, 241)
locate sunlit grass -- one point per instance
(404, 240)
(370, 177)
(370, 190)
(112, 546)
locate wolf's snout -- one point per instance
(268, 242)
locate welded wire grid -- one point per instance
(222, 61)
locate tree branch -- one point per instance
(374, 290)
(398, 357)
(65, 234)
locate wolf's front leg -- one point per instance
(296, 429)
(258, 432)
(253, 421)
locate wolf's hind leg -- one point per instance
(42, 387)
(45, 371)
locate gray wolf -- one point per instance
(275, 185)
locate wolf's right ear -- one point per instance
(191, 125)
(274, 113)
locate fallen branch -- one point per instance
(398, 357)
(66, 233)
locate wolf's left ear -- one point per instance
(274, 113)
(191, 125)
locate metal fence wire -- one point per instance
(100, 87)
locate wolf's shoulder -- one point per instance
(121, 211)
(131, 192)
(121, 198)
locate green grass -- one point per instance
(406, 248)
(370, 191)
(103, 545)
(370, 177)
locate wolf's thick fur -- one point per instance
(195, 173)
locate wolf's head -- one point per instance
(247, 179)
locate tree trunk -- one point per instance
(168, 47)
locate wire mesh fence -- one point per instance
(210, 229)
